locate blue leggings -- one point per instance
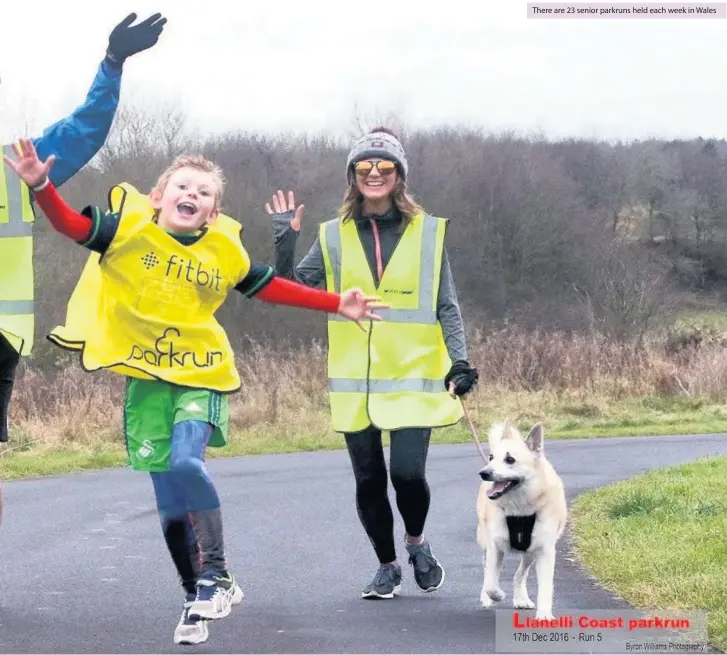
(188, 505)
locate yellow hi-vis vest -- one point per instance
(17, 317)
(392, 375)
(146, 307)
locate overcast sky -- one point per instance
(304, 65)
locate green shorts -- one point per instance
(151, 410)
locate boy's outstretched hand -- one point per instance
(29, 168)
(355, 306)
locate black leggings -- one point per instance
(9, 359)
(409, 448)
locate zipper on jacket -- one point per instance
(377, 249)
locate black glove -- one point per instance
(125, 41)
(463, 376)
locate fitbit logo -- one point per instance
(180, 268)
(150, 260)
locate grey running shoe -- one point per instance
(428, 572)
(386, 582)
(216, 594)
(189, 631)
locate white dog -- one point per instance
(521, 507)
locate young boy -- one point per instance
(144, 307)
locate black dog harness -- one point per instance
(521, 531)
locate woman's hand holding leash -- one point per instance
(463, 376)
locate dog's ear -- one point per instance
(535, 438)
(498, 431)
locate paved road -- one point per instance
(84, 568)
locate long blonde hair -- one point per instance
(401, 198)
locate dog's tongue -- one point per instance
(496, 488)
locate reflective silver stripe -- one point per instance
(348, 385)
(16, 227)
(425, 314)
(426, 265)
(333, 241)
(14, 307)
(398, 316)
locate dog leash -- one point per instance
(473, 430)
(475, 437)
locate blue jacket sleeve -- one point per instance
(75, 140)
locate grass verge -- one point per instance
(658, 540)
(565, 415)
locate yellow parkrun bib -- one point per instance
(146, 308)
(392, 375)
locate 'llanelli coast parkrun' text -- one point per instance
(584, 622)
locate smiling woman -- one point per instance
(402, 377)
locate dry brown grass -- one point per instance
(287, 390)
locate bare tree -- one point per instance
(363, 122)
(142, 140)
(626, 294)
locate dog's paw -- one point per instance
(485, 601)
(544, 614)
(523, 603)
(487, 596)
(495, 594)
